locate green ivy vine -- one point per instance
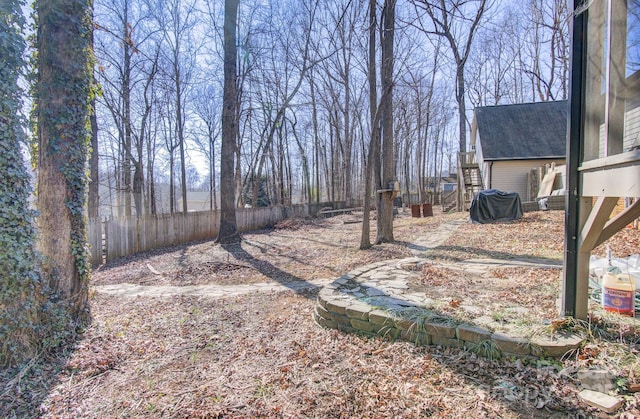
(28, 320)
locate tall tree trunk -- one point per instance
(238, 164)
(348, 139)
(126, 103)
(228, 228)
(365, 240)
(306, 176)
(138, 161)
(462, 118)
(279, 171)
(151, 195)
(316, 139)
(419, 148)
(212, 172)
(172, 186)
(289, 176)
(138, 183)
(385, 200)
(23, 293)
(180, 133)
(62, 104)
(94, 192)
(427, 124)
(407, 158)
(326, 155)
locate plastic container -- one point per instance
(618, 293)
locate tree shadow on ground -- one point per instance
(266, 248)
(461, 253)
(293, 282)
(413, 246)
(147, 254)
(322, 242)
(24, 388)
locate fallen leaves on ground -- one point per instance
(261, 354)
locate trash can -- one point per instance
(415, 210)
(427, 210)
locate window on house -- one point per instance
(612, 79)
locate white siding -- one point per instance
(513, 176)
(632, 123)
(484, 172)
(484, 166)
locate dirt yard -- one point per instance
(259, 354)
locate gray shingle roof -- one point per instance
(523, 131)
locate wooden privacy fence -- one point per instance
(116, 237)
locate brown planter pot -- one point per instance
(427, 210)
(415, 210)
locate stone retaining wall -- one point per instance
(375, 300)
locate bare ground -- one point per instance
(261, 354)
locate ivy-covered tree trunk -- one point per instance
(62, 100)
(20, 286)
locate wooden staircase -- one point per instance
(471, 177)
(449, 201)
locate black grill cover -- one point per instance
(493, 205)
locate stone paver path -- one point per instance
(133, 290)
(436, 237)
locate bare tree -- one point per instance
(286, 84)
(316, 135)
(549, 48)
(228, 228)
(300, 90)
(457, 21)
(421, 96)
(385, 199)
(495, 66)
(127, 68)
(117, 88)
(177, 21)
(207, 109)
(167, 122)
(374, 142)
(339, 72)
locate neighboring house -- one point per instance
(448, 187)
(510, 140)
(435, 189)
(431, 184)
(196, 201)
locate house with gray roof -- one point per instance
(511, 140)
